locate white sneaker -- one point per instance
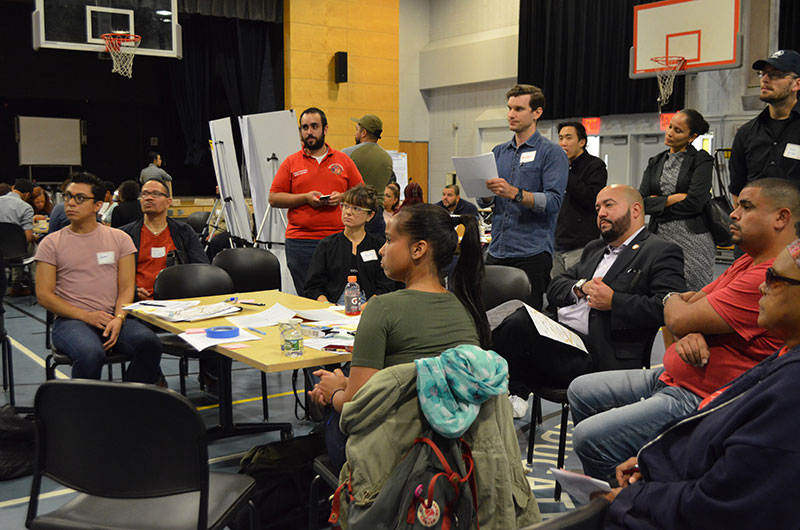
(519, 406)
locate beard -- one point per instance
(358, 140)
(312, 144)
(618, 227)
(776, 96)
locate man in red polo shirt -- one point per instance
(617, 412)
(310, 183)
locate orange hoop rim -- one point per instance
(115, 41)
(670, 62)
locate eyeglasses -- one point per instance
(354, 208)
(156, 194)
(79, 198)
(776, 74)
(772, 278)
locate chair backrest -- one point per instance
(191, 280)
(503, 283)
(119, 440)
(198, 221)
(588, 517)
(13, 243)
(252, 269)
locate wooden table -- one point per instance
(264, 354)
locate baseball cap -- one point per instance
(783, 60)
(371, 123)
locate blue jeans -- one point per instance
(616, 413)
(84, 345)
(299, 253)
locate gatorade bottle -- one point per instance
(352, 297)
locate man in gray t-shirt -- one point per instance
(15, 210)
(154, 171)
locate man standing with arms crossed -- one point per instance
(532, 178)
(310, 184)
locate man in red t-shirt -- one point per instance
(310, 184)
(718, 334)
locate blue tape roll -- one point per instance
(222, 332)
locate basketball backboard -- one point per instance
(79, 24)
(704, 32)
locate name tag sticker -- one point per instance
(369, 255)
(792, 151)
(105, 258)
(158, 252)
(530, 156)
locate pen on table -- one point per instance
(252, 303)
(153, 304)
(231, 299)
(254, 330)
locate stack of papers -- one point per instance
(579, 487)
(199, 341)
(185, 311)
(264, 319)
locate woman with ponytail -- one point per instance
(424, 319)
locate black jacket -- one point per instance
(694, 179)
(330, 267)
(642, 274)
(463, 207)
(187, 243)
(125, 212)
(577, 219)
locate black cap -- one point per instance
(783, 60)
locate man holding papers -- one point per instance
(85, 276)
(532, 176)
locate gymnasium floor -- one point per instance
(25, 325)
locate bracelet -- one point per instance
(121, 316)
(666, 297)
(334, 393)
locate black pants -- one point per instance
(537, 268)
(534, 360)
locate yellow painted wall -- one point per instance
(368, 30)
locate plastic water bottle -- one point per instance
(291, 337)
(352, 297)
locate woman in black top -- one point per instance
(351, 252)
(676, 187)
(128, 209)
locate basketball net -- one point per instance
(671, 64)
(122, 48)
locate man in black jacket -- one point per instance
(612, 298)
(160, 240)
(577, 223)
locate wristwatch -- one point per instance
(579, 284)
(666, 297)
(518, 196)
(121, 316)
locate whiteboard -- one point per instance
(223, 155)
(49, 141)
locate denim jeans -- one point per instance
(616, 413)
(84, 345)
(298, 258)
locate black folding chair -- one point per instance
(137, 454)
(14, 247)
(503, 283)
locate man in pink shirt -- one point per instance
(718, 339)
(85, 275)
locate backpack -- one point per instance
(17, 442)
(432, 487)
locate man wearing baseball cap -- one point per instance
(769, 144)
(372, 161)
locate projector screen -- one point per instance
(49, 141)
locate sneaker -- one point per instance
(519, 406)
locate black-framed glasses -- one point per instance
(80, 198)
(772, 278)
(156, 194)
(776, 74)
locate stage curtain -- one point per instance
(262, 10)
(577, 52)
(788, 20)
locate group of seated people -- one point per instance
(697, 442)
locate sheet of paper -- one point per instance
(579, 486)
(201, 342)
(270, 317)
(321, 314)
(198, 312)
(320, 343)
(473, 172)
(153, 305)
(553, 330)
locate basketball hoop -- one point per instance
(122, 47)
(670, 65)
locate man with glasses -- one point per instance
(86, 275)
(160, 241)
(718, 333)
(769, 144)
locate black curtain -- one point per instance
(788, 21)
(577, 52)
(263, 10)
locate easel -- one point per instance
(273, 160)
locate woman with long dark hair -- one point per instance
(676, 187)
(424, 319)
(391, 201)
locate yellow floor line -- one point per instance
(248, 400)
(36, 358)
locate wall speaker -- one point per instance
(340, 62)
